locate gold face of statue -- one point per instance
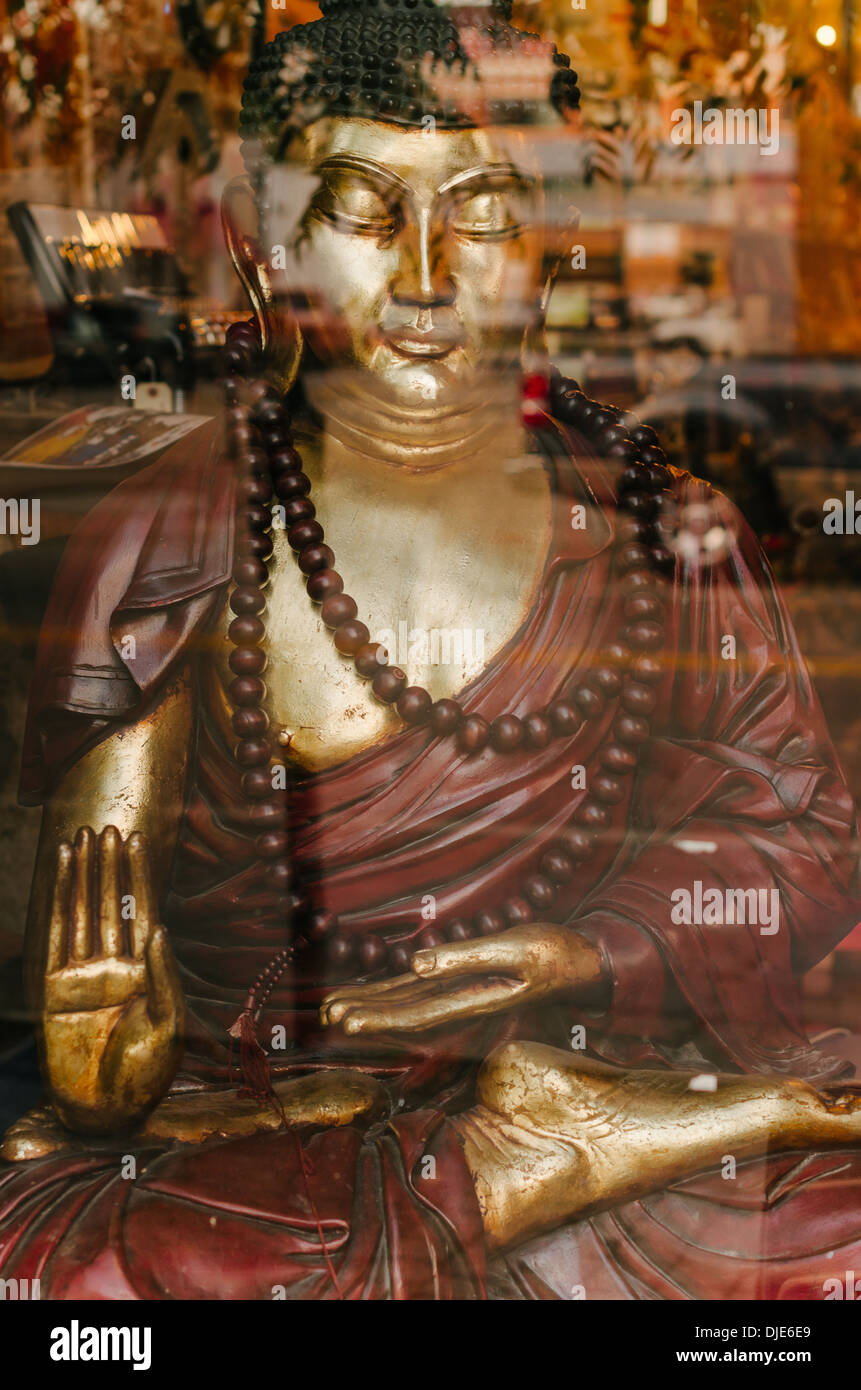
(421, 254)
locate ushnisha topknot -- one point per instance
(327, 7)
(377, 59)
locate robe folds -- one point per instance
(736, 789)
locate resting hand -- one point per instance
(469, 979)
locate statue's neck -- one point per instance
(483, 423)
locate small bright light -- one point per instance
(826, 34)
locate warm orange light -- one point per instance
(826, 34)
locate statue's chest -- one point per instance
(444, 607)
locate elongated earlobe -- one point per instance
(280, 334)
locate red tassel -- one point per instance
(257, 1082)
(253, 1061)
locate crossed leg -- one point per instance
(554, 1137)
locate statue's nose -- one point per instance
(422, 276)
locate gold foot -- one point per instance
(325, 1099)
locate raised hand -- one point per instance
(113, 1005)
(468, 979)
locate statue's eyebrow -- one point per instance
(357, 165)
(377, 173)
(508, 173)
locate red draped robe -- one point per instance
(738, 788)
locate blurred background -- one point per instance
(711, 287)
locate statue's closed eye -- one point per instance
(497, 213)
(355, 206)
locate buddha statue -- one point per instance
(369, 963)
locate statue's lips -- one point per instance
(410, 343)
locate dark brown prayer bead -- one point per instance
(325, 584)
(630, 728)
(235, 359)
(279, 877)
(298, 509)
(652, 455)
(557, 866)
(321, 925)
(631, 529)
(247, 661)
(304, 533)
(284, 461)
(278, 439)
(250, 573)
(564, 718)
(610, 436)
(607, 789)
(273, 845)
(389, 685)
(630, 480)
(372, 953)
(645, 636)
(506, 733)
(517, 912)
(270, 816)
(459, 930)
(445, 717)
(430, 938)
(256, 461)
(255, 518)
(577, 842)
(297, 903)
(415, 705)
(370, 659)
(489, 923)
(623, 452)
(473, 734)
(255, 391)
(589, 701)
(663, 559)
(619, 759)
(604, 417)
(537, 731)
(636, 581)
(255, 490)
(247, 601)
(316, 557)
(338, 609)
(399, 959)
(606, 679)
(289, 485)
(638, 698)
(632, 557)
(592, 816)
(253, 752)
(270, 414)
(247, 690)
(340, 950)
(642, 605)
(540, 892)
(246, 631)
(250, 723)
(649, 669)
(350, 636)
(251, 544)
(641, 504)
(659, 477)
(257, 784)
